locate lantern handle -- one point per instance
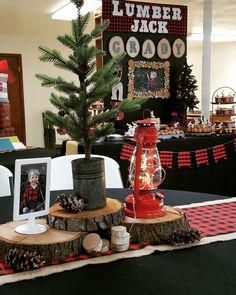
(163, 178)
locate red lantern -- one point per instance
(145, 174)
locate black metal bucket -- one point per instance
(89, 181)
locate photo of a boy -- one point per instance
(33, 198)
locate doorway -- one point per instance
(15, 93)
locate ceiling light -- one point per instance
(69, 11)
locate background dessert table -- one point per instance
(217, 178)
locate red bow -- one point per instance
(4, 68)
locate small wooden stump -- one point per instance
(88, 220)
(51, 245)
(156, 229)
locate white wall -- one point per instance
(223, 66)
(22, 34)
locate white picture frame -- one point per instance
(31, 193)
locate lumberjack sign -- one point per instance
(139, 17)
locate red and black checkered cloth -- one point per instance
(201, 157)
(5, 270)
(123, 23)
(214, 219)
(166, 158)
(184, 159)
(127, 152)
(219, 152)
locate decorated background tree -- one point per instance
(74, 101)
(185, 94)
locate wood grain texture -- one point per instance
(156, 229)
(88, 220)
(51, 245)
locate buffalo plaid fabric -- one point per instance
(201, 157)
(166, 158)
(219, 152)
(213, 219)
(5, 270)
(184, 159)
(123, 23)
(126, 152)
(31, 195)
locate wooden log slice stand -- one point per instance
(65, 233)
(88, 220)
(51, 245)
(156, 229)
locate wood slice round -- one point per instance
(51, 245)
(156, 229)
(88, 220)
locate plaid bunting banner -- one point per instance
(219, 152)
(201, 157)
(166, 158)
(126, 152)
(184, 159)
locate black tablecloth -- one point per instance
(217, 178)
(205, 270)
(7, 159)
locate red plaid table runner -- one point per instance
(213, 219)
(166, 158)
(219, 152)
(184, 159)
(201, 157)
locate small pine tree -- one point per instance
(186, 87)
(74, 103)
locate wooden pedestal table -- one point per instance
(51, 245)
(88, 220)
(156, 229)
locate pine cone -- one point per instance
(71, 203)
(182, 237)
(21, 260)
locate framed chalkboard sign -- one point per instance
(148, 79)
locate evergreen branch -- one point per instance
(59, 83)
(79, 26)
(100, 28)
(128, 105)
(67, 40)
(49, 55)
(103, 117)
(102, 131)
(55, 56)
(56, 120)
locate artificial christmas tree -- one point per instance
(185, 92)
(74, 104)
(93, 86)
